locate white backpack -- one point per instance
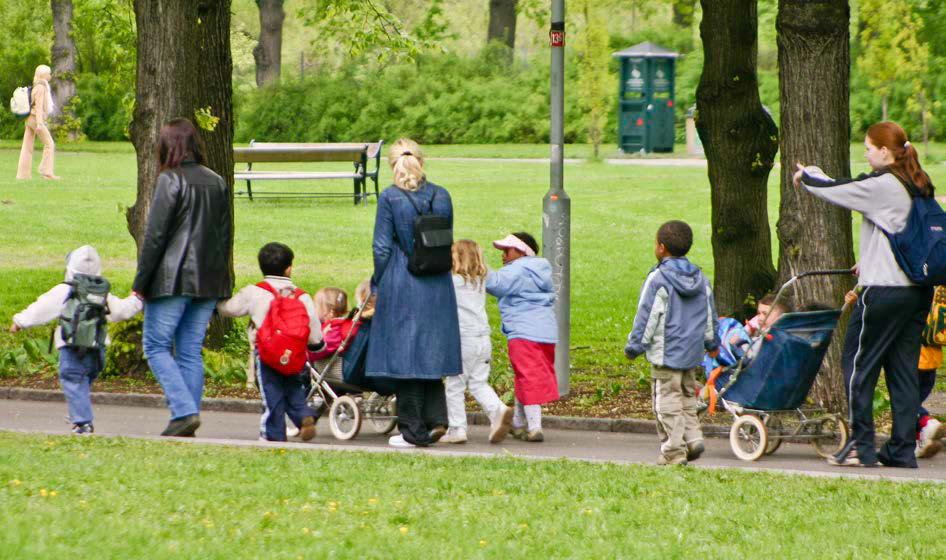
(20, 103)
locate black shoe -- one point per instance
(184, 426)
(694, 450)
(888, 462)
(83, 429)
(437, 433)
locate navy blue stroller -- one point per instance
(339, 383)
(760, 393)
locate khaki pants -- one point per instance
(25, 169)
(674, 398)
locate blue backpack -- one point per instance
(920, 249)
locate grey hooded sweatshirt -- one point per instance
(885, 204)
(676, 317)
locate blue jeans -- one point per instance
(76, 375)
(173, 337)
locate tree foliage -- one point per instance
(595, 91)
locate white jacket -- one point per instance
(48, 307)
(254, 301)
(471, 307)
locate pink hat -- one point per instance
(513, 242)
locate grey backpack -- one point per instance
(82, 322)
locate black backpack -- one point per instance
(82, 321)
(433, 240)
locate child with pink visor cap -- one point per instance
(526, 298)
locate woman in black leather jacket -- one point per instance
(183, 269)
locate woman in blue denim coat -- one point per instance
(415, 333)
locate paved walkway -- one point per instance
(231, 428)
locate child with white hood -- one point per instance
(82, 304)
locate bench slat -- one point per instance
(293, 175)
(276, 153)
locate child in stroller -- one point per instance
(337, 380)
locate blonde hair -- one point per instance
(331, 301)
(468, 262)
(362, 294)
(407, 163)
(41, 71)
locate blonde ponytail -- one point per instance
(407, 164)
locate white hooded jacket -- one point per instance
(47, 307)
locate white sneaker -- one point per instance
(399, 441)
(454, 435)
(291, 431)
(929, 444)
(500, 424)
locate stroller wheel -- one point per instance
(773, 426)
(381, 413)
(830, 436)
(748, 437)
(344, 418)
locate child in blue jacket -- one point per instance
(526, 298)
(676, 321)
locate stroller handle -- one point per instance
(797, 277)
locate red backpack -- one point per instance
(282, 338)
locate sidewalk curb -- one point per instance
(618, 425)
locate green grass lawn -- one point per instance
(66, 497)
(616, 211)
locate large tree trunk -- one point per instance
(64, 68)
(184, 64)
(502, 23)
(268, 52)
(814, 71)
(683, 13)
(740, 140)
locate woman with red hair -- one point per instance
(885, 326)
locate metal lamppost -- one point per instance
(556, 206)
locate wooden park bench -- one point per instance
(270, 152)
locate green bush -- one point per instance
(440, 99)
(105, 111)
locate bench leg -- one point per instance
(249, 190)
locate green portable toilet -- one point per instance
(645, 102)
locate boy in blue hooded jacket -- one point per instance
(676, 322)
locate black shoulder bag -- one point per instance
(433, 240)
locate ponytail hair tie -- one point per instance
(906, 144)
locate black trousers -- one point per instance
(884, 332)
(421, 407)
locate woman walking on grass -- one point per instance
(885, 326)
(183, 269)
(415, 333)
(42, 106)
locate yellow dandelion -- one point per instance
(43, 492)
(268, 514)
(52, 493)
(373, 501)
(306, 531)
(523, 525)
(333, 504)
(482, 543)
(282, 451)
(15, 482)
(285, 502)
(589, 511)
(83, 503)
(403, 530)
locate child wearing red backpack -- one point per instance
(283, 327)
